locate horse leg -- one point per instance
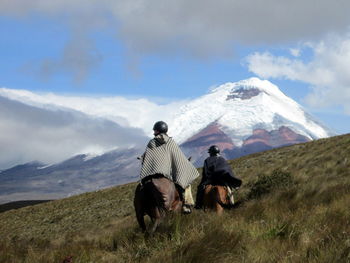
(140, 215)
(177, 203)
(212, 199)
(156, 219)
(219, 209)
(155, 224)
(176, 206)
(138, 205)
(141, 220)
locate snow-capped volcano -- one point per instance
(241, 107)
(236, 115)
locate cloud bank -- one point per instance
(199, 28)
(135, 113)
(327, 72)
(31, 133)
(50, 127)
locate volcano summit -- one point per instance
(242, 118)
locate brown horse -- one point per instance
(216, 198)
(155, 197)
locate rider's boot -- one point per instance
(187, 200)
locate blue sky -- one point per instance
(170, 51)
(27, 42)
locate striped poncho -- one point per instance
(163, 156)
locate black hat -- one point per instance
(213, 149)
(160, 126)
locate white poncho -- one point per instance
(163, 156)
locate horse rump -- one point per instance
(216, 198)
(155, 197)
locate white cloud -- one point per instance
(327, 72)
(48, 127)
(51, 135)
(207, 28)
(199, 28)
(136, 113)
(296, 52)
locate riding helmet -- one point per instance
(160, 126)
(214, 149)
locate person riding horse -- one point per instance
(216, 171)
(163, 157)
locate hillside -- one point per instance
(294, 209)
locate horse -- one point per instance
(155, 197)
(216, 197)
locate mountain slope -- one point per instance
(294, 209)
(79, 174)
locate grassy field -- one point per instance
(294, 208)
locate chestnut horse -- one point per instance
(155, 197)
(216, 198)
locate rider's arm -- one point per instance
(228, 174)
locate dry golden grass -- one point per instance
(295, 208)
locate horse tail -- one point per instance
(219, 199)
(154, 196)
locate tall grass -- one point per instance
(295, 208)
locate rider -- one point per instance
(164, 157)
(216, 171)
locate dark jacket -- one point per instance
(217, 171)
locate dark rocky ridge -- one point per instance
(243, 94)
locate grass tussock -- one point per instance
(268, 183)
(294, 209)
